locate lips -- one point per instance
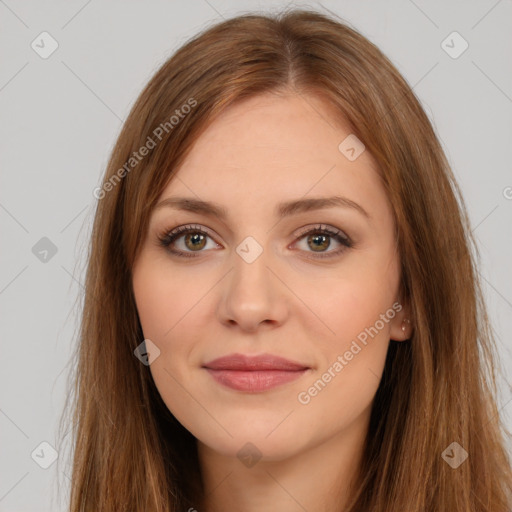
(240, 362)
(254, 373)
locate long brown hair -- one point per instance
(130, 453)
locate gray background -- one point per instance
(61, 116)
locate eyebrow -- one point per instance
(285, 209)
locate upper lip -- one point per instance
(243, 362)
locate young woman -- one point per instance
(282, 309)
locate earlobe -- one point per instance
(401, 330)
(406, 328)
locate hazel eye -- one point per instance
(193, 238)
(319, 239)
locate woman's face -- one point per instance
(264, 277)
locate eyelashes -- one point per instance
(315, 237)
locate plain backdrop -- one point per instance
(60, 116)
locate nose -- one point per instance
(252, 296)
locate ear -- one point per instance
(401, 326)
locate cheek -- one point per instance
(163, 298)
(355, 309)
(347, 301)
(151, 306)
(353, 359)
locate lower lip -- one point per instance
(254, 381)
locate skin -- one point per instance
(288, 302)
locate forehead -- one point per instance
(272, 147)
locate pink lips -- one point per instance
(254, 373)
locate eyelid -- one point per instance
(324, 228)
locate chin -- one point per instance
(261, 437)
(253, 448)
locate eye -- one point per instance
(194, 240)
(320, 237)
